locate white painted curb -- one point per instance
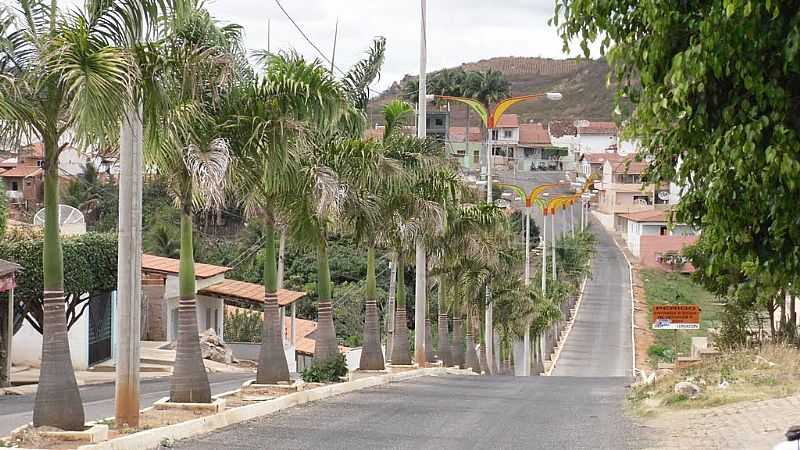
(633, 305)
(150, 439)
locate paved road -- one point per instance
(600, 342)
(446, 413)
(98, 399)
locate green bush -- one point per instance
(327, 371)
(243, 326)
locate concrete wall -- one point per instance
(251, 351)
(595, 143)
(155, 313)
(204, 305)
(650, 246)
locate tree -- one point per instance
(196, 67)
(57, 73)
(713, 119)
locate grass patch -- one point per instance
(676, 288)
(756, 374)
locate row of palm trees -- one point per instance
(283, 138)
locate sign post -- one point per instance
(676, 317)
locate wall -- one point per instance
(71, 162)
(155, 317)
(27, 345)
(651, 245)
(251, 351)
(203, 303)
(595, 143)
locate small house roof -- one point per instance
(533, 134)
(170, 266)
(508, 121)
(651, 215)
(629, 165)
(7, 267)
(456, 134)
(561, 128)
(599, 128)
(22, 172)
(600, 158)
(249, 292)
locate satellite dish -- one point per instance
(581, 123)
(502, 203)
(70, 220)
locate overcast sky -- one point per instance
(458, 30)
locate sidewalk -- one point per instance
(743, 425)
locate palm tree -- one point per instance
(45, 93)
(268, 117)
(197, 66)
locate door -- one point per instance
(100, 322)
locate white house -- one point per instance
(596, 137)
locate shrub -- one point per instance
(243, 326)
(327, 371)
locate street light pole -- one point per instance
(420, 287)
(526, 341)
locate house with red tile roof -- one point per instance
(658, 242)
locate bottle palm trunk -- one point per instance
(371, 354)
(390, 306)
(457, 347)
(430, 355)
(400, 352)
(272, 364)
(325, 346)
(189, 382)
(444, 350)
(58, 401)
(471, 360)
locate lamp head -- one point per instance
(430, 98)
(555, 96)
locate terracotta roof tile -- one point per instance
(508, 121)
(561, 128)
(22, 172)
(599, 128)
(652, 215)
(249, 292)
(599, 158)
(533, 133)
(160, 264)
(629, 165)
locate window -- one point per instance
(508, 134)
(40, 163)
(14, 186)
(494, 135)
(662, 231)
(439, 122)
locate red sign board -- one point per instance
(676, 317)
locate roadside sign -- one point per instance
(676, 317)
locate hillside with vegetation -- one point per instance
(583, 83)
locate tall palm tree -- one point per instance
(268, 117)
(45, 93)
(198, 65)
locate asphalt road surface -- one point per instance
(599, 344)
(98, 399)
(453, 412)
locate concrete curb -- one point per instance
(563, 341)
(633, 306)
(150, 439)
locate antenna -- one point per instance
(335, 37)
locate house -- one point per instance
(464, 144)
(505, 137)
(437, 124)
(657, 244)
(536, 151)
(596, 137)
(592, 163)
(215, 293)
(24, 185)
(622, 190)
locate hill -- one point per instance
(582, 82)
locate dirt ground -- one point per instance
(643, 335)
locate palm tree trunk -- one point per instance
(272, 364)
(457, 346)
(400, 353)
(390, 306)
(371, 354)
(445, 352)
(325, 346)
(430, 355)
(539, 366)
(471, 360)
(281, 258)
(189, 382)
(58, 401)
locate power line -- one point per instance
(305, 36)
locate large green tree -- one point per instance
(716, 93)
(58, 74)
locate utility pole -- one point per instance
(335, 37)
(129, 274)
(420, 286)
(268, 35)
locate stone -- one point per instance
(213, 347)
(690, 390)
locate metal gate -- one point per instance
(100, 322)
